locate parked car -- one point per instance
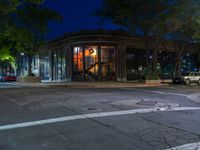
(187, 78)
(8, 77)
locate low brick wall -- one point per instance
(30, 79)
(152, 82)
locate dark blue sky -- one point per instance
(77, 14)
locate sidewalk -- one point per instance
(90, 84)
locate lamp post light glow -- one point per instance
(22, 54)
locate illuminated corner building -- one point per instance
(103, 55)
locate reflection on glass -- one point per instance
(87, 63)
(59, 61)
(108, 63)
(166, 61)
(136, 64)
(189, 62)
(91, 63)
(78, 63)
(45, 67)
(58, 64)
(63, 65)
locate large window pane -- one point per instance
(63, 64)
(91, 63)
(166, 61)
(59, 65)
(108, 63)
(136, 64)
(189, 62)
(45, 67)
(78, 63)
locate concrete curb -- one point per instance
(90, 84)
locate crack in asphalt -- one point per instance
(114, 128)
(11, 101)
(111, 127)
(164, 139)
(168, 126)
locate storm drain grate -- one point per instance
(146, 103)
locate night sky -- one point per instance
(77, 14)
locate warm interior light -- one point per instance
(91, 51)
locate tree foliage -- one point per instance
(25, 25)
(141, 17)
(138, 16)
(184, 28)
(31, 27)
(177, 19)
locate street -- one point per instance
(4, 85)
(120, 118)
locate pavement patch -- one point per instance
(92, 115)
(146, 103)
(129, 102)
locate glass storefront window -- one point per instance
(136, 64)
(88, 67)
(78, 63)
(108, 63)
(35, 65)
(166, 61)
(189, 62)
(45, 67)
(91, 63)
(58, 65)
(63, 65)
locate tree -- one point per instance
(159, 19)
(184, 28)
(8, 10)
(141, 17)
(6, 54)
(31, 25)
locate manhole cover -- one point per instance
(146, 103)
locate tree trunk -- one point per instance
(30, 64)
(178, 65)
(155, 61)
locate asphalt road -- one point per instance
(63, 118)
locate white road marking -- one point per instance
(190, 146)
(92, 115)
(159, 92)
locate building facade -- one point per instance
(100, 55)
